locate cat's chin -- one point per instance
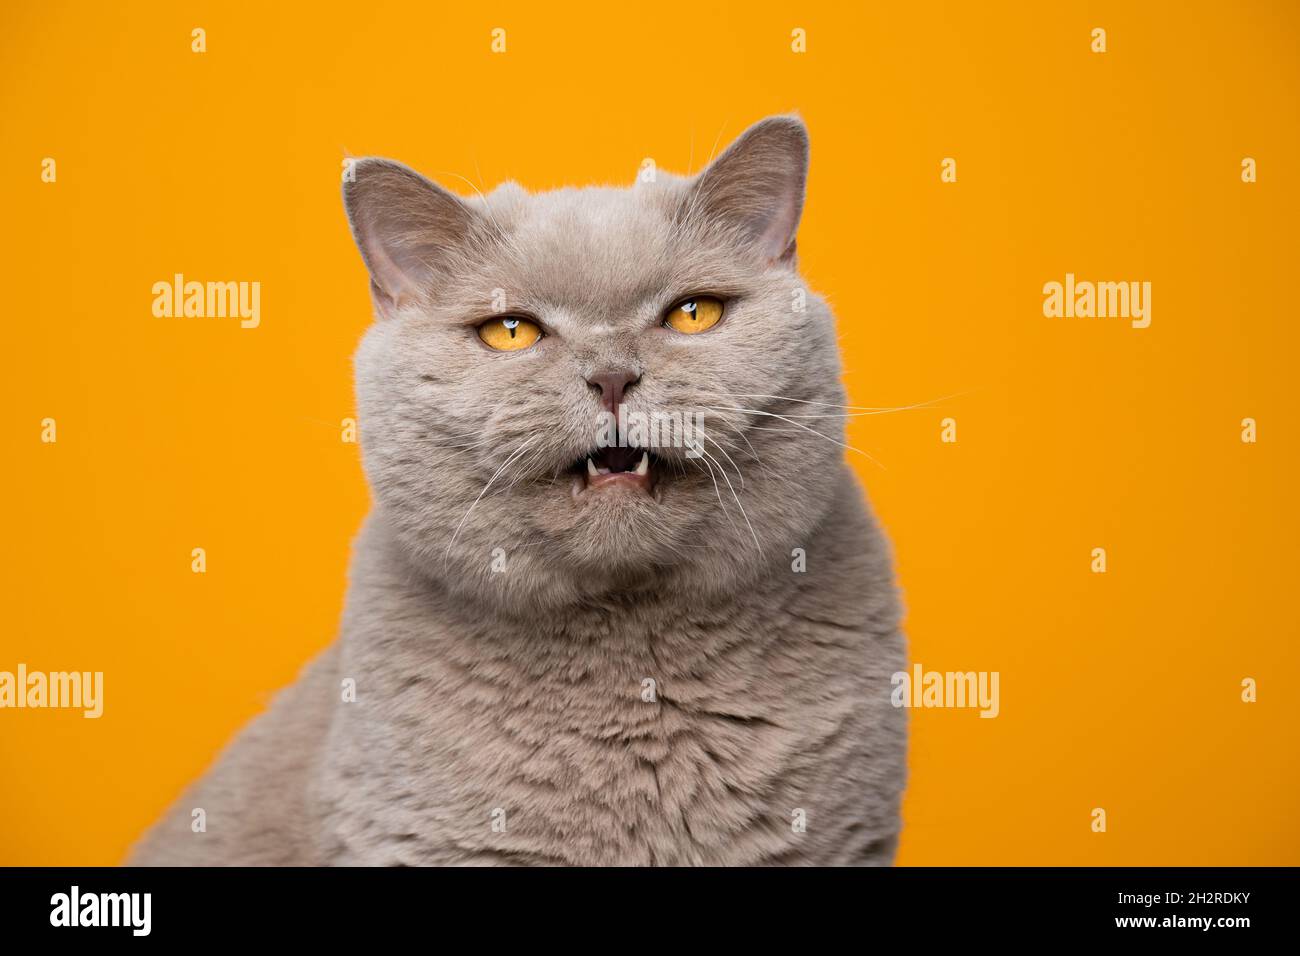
(618, 523)
(613, 505)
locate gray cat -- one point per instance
(564, 650)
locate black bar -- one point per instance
(650, 907)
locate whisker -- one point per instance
(505, 464)
(734, 495)
(745, 438)
(739, 473)
(845, 445)
(863, 409)
(717, 490)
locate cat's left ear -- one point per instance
(757, 186)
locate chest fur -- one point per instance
(714, 739)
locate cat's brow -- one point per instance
(605, 305)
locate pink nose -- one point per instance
(612, 384)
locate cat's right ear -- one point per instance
(408, 228)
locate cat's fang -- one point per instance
(610, 470)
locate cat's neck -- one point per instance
(394, 604)
(616, 620)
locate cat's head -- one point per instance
(508, 326)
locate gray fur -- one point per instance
(516, 696)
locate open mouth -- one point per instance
(632, 468)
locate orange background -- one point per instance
(1119, 690)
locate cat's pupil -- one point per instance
(511, 324)
(689, 309)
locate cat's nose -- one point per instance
(612, 383)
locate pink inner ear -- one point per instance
(758, 184)
(406, 226)
(388, 284)
(383, 302)
(777, 239)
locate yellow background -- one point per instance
(1119, 691)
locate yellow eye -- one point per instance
(509, 334)
(694, 315)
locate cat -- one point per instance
(555, 653)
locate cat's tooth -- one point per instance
(643, 466)
(591, 468)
